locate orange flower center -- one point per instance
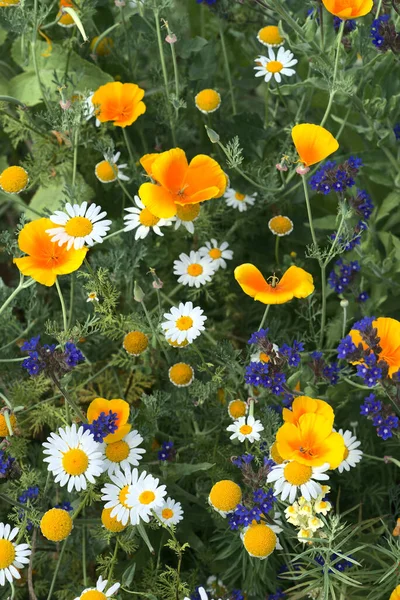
(189, 212)
(237, 408)
(215, 253)
(184, 323)
(147, 497)
(274, 66)
(7, 553)
(270, 35)
(167, 513)
(240, 196)
(297, 474)
(181, 374)
(195, 270)
(246, 429)
(75, 461)
(147, 218)
(106, 171)
(78, 227)
(93, 595)
(280, 225)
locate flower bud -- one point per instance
(344, 303)
(302, 170)
(281, 167)
(138, 293)
(213, 135)
(171, 38)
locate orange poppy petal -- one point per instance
(28, 266)
(288, 440)
(251, 280)
(313, 143)
(333, 450)
(204, 172)
(303, 405)
(33, 238)
(158, 200)
(350, 9)
(147, 162)
(297, 281)
(200, 196)
(133, 113)
(121, 432)
(169, 170)
(70, 261)
(96, 407)
(121, 408)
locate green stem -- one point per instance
(323, 309)
(266, 102)
(64, 312)
(378, 10)
(21, 286)
(176, 72)
(34, 57)
(127, 41)
(264, 317)
(148, 317)
(111, 235)
(104, 34)
(335, 70)
(309, 213)
(75, 159)
(84, 571)
(130, 151)
(227, 67)
(68, 399)
(344, 327)
(22, 204)
(277, 250)
(335, 241)
(71, 300)
(165, 75)
(53, 581)
(122, 186)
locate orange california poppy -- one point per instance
(295, 283)
(177, 183)
(348, 9)
(313, 143)
(388, 331)
(304, 404)
(312, 442)
(118, 102)
(395, 595)
(46, 259)
(120, 407)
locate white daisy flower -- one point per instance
(238, 200)
(352, 456)
(193, 270)
(102, 593)
(275, 65)
(108, 170)
(246, 428)
(121, 454)
(170, 512)
(145, 495)
(186, 215)
(74, 457)
(12, 556)
(291, 477)
(92, 297)
(184, 323)
(116, 496)
(217, 253)
(79, 225)
(143, 220)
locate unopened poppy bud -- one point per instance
(138, 293)
(302, 170)
(171, 38)
(213, 135)
(344, 303)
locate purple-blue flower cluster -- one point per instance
(384, 35)
(396, 131)
(65, 506)
(346, 276)
(279, 594)
(30, 494)
(332, 177)
(375, 411)
(258, 336)
(242, 516)
(292, 353)
(167, 452)
(349, 26)
(241, 461)
(324, 370)
(102, 426)
(346, 347)
(46, 358)
(6, 463)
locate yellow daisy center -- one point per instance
(167, 513)
(270, 35)
(7, 554)
(240, 196)
(135, 342)
(184, 323)
(215, 253)
(93, 595)
(147, 218)
(276, 457)
(10, 2)
(3, 425)
(237, 408)
(13, 180)
(225, 495)
(296, 473)
(280, 225)
(79, 227)
(176, 345)
(208, 100)
(75, 461)
(181, 374)
(111, 523)
(117, 451)
(188, 212)
(106, 171)
(122, 496)
(259, 540)
(147, 497)
(246, 429)
(56, 524)
(195, 270)
(346, 453)
(274, 66)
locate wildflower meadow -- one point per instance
(199, 299)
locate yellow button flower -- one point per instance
(14, 180)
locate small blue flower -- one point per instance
(6, 463)
(167, 452)
(102, 426)
(258, 336)
(396, 131)
(65, 506)
(346, 347)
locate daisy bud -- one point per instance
(171, 38)
(213, 135)
(138, 293)
(302, 170)
(344, 303)
(281, 167)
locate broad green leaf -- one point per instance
(128, 575)
(4, 86)
(182, 469)
(51, 197)
(328, 222)
(203, 65)
(3, 35)
(391, 202)
(25, 86)
(187, 47)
